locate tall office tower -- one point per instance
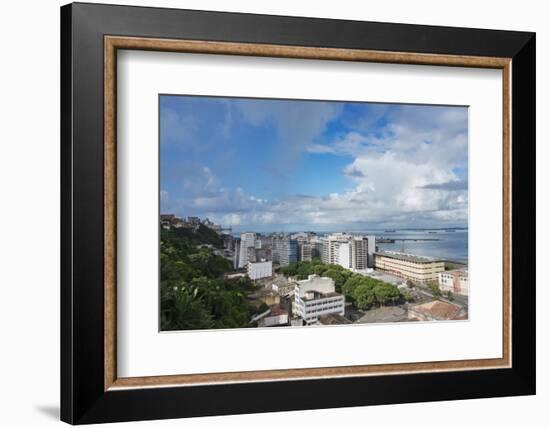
(325, 250)
(316, 248)
(342, 254)
(247, 240)
(285, 250)
(236, 253)
(331, 249)
(362, 252)
(305, 252)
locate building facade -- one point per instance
(409, 266)
(305, 252)
(315, 297)
(362, 252)
(259, 270)
(248, 240)
(348, 251)
(285, 250)
(456, 281)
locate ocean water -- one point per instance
(448, 245)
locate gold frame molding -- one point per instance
(113, 43)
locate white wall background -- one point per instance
(29, 218)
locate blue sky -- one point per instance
(268, 165)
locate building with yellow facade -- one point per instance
(409, 266)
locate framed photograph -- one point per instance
(266, 213)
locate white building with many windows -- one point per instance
(259, 270)
(316, 296)
(248, 240)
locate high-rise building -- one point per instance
(305, 252)
(247, 240)
(362, 252)
(333, 254)
(350, 252)
(285, 250)
(342, 254)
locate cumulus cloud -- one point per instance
(400, 164)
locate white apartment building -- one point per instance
(247, 240)
(456, 281)
(350, 252)
(316, 296)
(258, 270)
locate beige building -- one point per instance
(455, 281)
(409, 266)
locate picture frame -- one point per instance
(91, 391)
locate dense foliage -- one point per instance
(364, 291)
(193, 292)
(302, 270)
(434, 288)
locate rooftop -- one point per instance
(318, 295)
(408, 257)
(438, 310)
(333, 319)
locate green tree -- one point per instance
(337, 276)
(364, 296)
(407, 296)
(434, 288)
(386, 293)
(182, 309)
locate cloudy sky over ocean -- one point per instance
(270, 165)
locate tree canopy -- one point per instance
(194, 294)
(364, 291)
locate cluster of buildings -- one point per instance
(171, 221)
(299, 302)
(314, 301)
(257, 254)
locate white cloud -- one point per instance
(401, 173)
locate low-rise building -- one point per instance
(436, 310)
(283, 286)
(455, 281)
(316, 296)
(258, 270)
(263, 295)
(409, 266)
(278, 316)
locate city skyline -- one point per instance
(286, 165)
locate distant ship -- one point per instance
(432, 231)
(390, 230)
